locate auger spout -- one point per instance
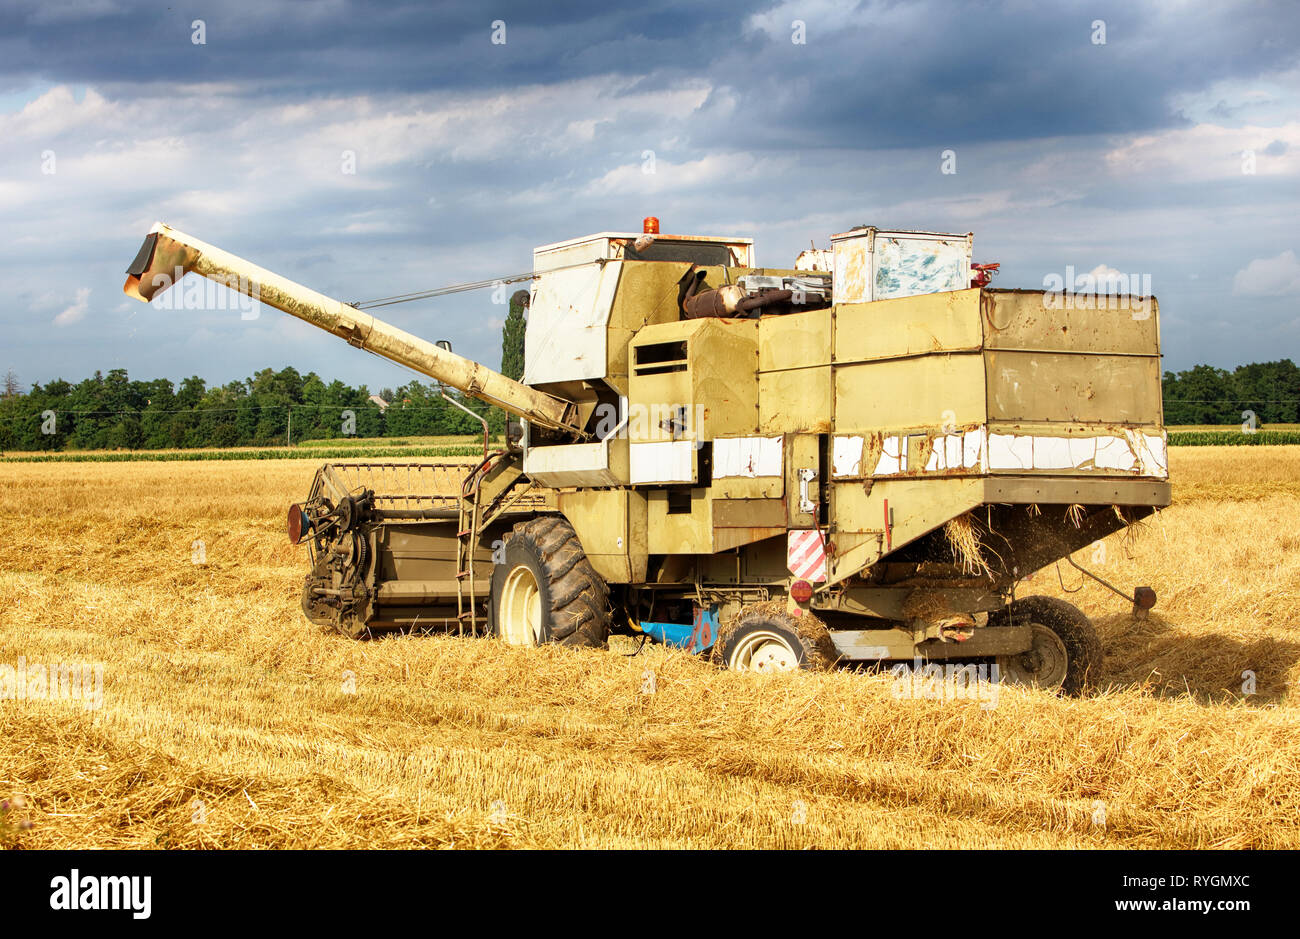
(168, 254)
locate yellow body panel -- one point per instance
(960, 386)
(802, 453)
(1059, 386)
(713, 379)
(1026, 319)
(940, 322)
(611, 524)
(916, 506)
(647, 294)
(708, 524)
(795, 400)
(914, 392)
(796, 340)
(749, 487)
(671, 531)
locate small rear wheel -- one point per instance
(1065, 655)
(775, 642)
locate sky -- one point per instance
(372, 149)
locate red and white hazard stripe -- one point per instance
(806, 555)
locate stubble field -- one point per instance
(226, 720)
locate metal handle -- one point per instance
(806, 505)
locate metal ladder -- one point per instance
(473, 518)
(467, 529)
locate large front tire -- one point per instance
(545, 589)
(1066, 654)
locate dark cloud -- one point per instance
(469, 154)
(866, 75)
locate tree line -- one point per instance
(1267, 392)
(112, 412)
(109, 412)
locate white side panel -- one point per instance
(1114, 453)
(746, 456)
(1150, 450)
(977, 451)
(567, 318)
(669, 461)
(870, 264)
(1010, 451)
(576, 464)
(893, 456)
(947, 454)
(846, 460)
(1052, 453)
(1158, 446)
(1083, 450)
(1135, 452)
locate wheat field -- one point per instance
(227, 721)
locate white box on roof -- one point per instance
(871, 264)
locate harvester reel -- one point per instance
(1066, 653)
(545, 589)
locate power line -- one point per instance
(439, 292)
(469, 285)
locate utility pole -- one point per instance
(288, 434)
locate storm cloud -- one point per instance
(368, 149)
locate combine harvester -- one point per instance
(782, 468)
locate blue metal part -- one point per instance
(696, 637)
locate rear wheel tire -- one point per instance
(1066, 653)
(775, 642)
(545, 589)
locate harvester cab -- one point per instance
(856, 459)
